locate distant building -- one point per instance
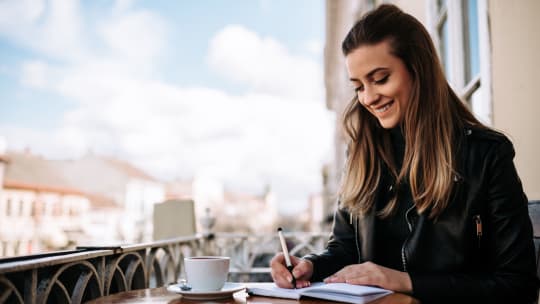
(179, 189)
(52, 204)
(119, 182)
(317, 218)
(39, 209)
(247, 213)
(228, 211)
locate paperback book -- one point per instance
(340, 292)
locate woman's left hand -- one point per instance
(369, 273)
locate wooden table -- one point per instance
(161, 295)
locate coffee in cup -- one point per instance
(206, 273)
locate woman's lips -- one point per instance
(384, 108)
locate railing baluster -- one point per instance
(89, 272)
(9, 292)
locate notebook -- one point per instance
(340, 292)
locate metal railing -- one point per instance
(88, 273)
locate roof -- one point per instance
(101, 202)
(179, 189)
(240, 197)
(128, 169)
(12, 184)
(31, 172)
(104, 176)
(101, 179)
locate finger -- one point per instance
(303, 270)
(302, 283)
(277, 264)
(295, 260)
(278, 259)
(282, 279)
(345, 273)
(283, 283)
(335, 279)
(364, 280)
(280, 274)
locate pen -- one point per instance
(287, 257)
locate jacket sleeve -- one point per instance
(511, 275)
(340, 251)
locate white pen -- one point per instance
(286, 254)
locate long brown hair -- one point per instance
(431, 125)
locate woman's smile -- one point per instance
(383, 109)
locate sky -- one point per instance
(231, 91)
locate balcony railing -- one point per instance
(91, 272)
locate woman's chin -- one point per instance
(388, 123)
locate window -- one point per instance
(3, 207)
(460, 32)
(33, 212)
(21, 208)
(472, 55)
(57, 208)
(12, 207)
(442, 35)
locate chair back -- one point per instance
(534, 213)
(174, 218)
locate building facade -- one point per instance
(39, 210)
(51, 204)
(133, 191)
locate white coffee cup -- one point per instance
(206, 273)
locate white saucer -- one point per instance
(225, 292)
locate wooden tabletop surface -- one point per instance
(161, 295)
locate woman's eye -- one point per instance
(359, 89)
(382, 80)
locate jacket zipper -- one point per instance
(478, 221)
(356, 237)
(403, 256)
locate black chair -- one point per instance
(534, 213)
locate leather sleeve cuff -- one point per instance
(315, 277)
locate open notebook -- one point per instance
(340, 292)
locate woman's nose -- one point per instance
(370, 96)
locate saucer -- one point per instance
(225, 292)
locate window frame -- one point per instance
(453, 14)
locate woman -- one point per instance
(430, 201)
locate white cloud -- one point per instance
(314, 47)
(277, 132)
(245, 141)
(122, 5)
(138, 36)
(34, 74)
(54, 30)
(264, 64)
(17, 14)
(61, 34)
(59, 144)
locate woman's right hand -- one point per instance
(302, 271)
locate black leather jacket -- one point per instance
(481, 248)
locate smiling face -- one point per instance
(382, 82)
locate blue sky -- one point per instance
(227, 89)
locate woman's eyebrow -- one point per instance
(370, 74)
